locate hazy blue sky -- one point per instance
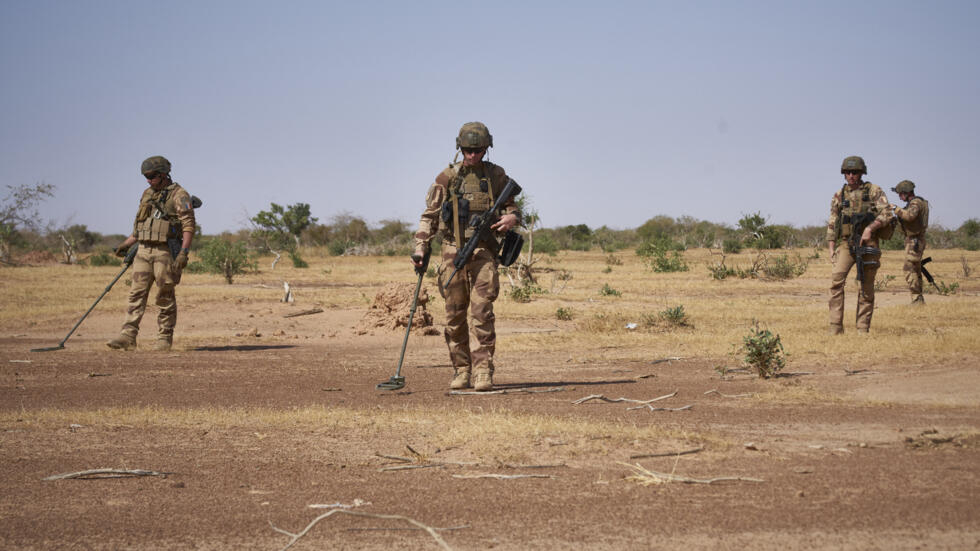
(607, 113)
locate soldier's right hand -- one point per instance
(121, 250)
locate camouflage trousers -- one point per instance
(914, 248)
(475, 287)
(152, 263)
(866, 294)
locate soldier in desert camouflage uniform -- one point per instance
(165, 209)
(461, 191)
(856, 199)
(914, 219)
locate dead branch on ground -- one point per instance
(503, 476)
(304, 313)
(647, 477)
(296, 537)
(651, 408)
(93, 474)
(662, 360)
(506, 391)
(666, 454)
(860, 372)
(715, 391)
(613, 400)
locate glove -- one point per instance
(420, 258)
(179, 263)
(121, 250)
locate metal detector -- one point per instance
(127, 262)
(398, 382)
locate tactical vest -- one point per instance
(154, 225)
(470, 195)
(854, 204)
(917, 227)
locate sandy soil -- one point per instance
(887, 459)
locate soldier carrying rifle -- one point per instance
(860, 215)
(914, 219)
(456, 206)
(164, 229)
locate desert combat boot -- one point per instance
(461, 380)
(482, 381)
(122, 342)
(163, 343)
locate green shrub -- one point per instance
(229, 259)
(298, 261)
(943, 288)
(763, 351)
(564, 314)
(196, 267)
(721, 271)
(103, 258)
(674, 316)
(608, 291)
(525, 292)
(731, 246)
(781, 267)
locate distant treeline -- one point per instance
(350, 235)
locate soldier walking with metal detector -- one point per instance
(164, 229)
(914, 219)
(861, 215)
(473, 202)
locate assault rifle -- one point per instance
(925, 272)
(175, 238)
(481, 224)
(858, 223)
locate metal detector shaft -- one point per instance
(398, 382)
(126, 264)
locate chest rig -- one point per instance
(156, 220)
(854, 208)
(917, 227)
(470, 195)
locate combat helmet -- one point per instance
(853, 163)
(155, 163)
(474, 135)
(905, 186)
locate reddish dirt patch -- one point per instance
(839, 474)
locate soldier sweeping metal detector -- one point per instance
(127, 262)
(397, 381)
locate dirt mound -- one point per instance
(391, 308)
(37, 257)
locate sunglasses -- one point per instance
(151, 175)
(472, 150)
(852, 172)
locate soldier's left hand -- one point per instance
(505, 223)
(179, 263)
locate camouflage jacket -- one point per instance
(914, 217)
(153, 225)
(865, 198)
(431, 222)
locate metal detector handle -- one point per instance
(411, 317)
(127, 262)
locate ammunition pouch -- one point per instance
(464, 211)
(511, 248)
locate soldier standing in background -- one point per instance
(165, 212)
(914, 219)
(857, 212)
(461, 191)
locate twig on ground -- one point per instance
(715, 391)
(651, 408)
(860, 372)
(296, 537)
(662, 360)
(666, 454)
(506, 391)
(448, 529)
(106, 473)
(612, 400)
(356, 503)
(304, 313)
(555, 465)
(795, 373)
(648, 477)
(503, 476)
(406, 467)
(647, 376)
(395, 457)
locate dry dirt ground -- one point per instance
(254, 430)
